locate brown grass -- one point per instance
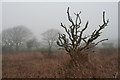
(39, 65)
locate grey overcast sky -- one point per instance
(41, 16)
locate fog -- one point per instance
(42, 16)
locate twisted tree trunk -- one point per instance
(79, 59)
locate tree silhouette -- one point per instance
(50, 36)
(13, 38)
(72, 42)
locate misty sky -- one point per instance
(42, 16)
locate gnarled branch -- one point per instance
(75, 35)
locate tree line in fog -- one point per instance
(20, 38)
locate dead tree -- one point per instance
(73, 39)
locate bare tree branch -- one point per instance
(73, 42)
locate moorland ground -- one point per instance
(36, 64)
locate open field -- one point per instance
(40, 65)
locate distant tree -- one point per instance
(32, 43)
(108, 45)
(13, 38)
(50, 37)
(73, 40)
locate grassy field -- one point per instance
(39, 65)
